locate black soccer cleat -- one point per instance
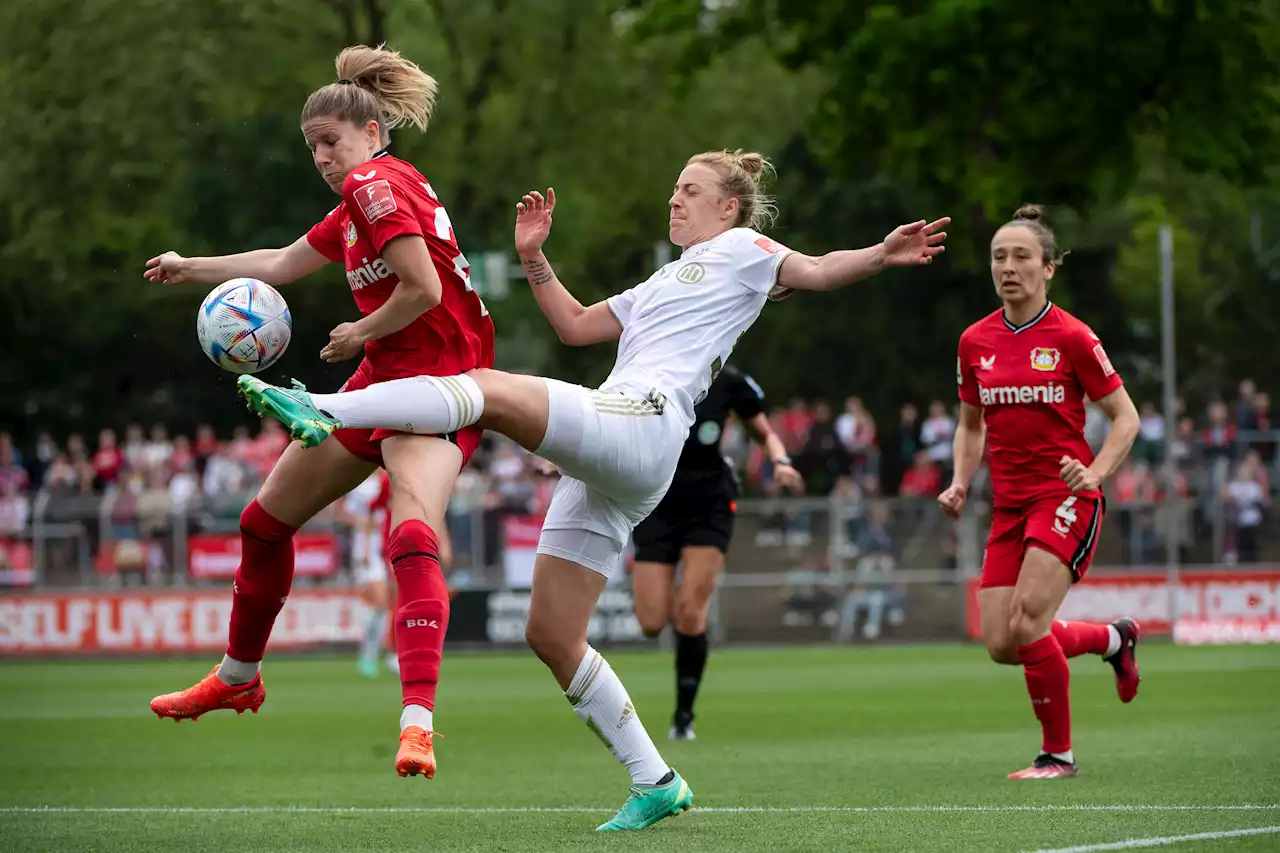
(1125, 660)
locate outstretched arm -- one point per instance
(574, 324)
(907, 246)
(274, 266)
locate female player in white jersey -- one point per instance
(618, 445)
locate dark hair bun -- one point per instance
(1029, 213)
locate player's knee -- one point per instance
(548, 641)
(1026, 623)
(652, 619)
(1003, 651)
(691, 615)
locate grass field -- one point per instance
(801, 749)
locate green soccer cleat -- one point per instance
(649, 804)
(291, 407)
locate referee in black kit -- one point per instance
(692, 526)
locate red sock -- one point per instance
(262, 581)
(1082, 638)
(1049, 683)
(422, 611)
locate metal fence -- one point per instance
(798, 570)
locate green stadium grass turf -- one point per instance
(876, 748)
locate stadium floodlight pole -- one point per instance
(1169, 365)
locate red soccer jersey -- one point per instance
(1031, 382)
(388, 198)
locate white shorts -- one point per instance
(373, 569)
(618, 449)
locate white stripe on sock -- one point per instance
(600, 701)
(428, 405)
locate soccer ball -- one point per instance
(244, 325)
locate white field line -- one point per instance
(1139, 843)
(357, 810)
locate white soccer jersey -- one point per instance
(680, 326)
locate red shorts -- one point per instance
(366, 444)
(1067, 527)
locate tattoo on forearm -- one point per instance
(538, 272)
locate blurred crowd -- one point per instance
(1224, 464)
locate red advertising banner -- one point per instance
(142, 623)
(215, 556)
(1230, 605)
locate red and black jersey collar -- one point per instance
(1048, 306)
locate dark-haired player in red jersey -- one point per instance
(1024, 373)
(421, 317)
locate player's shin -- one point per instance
(262, 583)
(1049, 684)
(691, 661)
(601, 702)
(421, 618)
(427, 405)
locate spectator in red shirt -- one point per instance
(107, 460)
(922, 479)
(183, 456)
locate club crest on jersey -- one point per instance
(351, 234)
(691, 273)
(1045, 358)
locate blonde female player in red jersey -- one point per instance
(420, 317)
(1024, 372)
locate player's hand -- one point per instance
(915, 244)
(533, 221)
(951, 501)
(169, 268)
(788, 477)
(1078, 476)
(345, 343)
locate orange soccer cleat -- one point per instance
(417, 754)
(210, 694)
(1047, 767)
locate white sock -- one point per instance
(393, 663)
(1113, 645)
(375, 626)
(1064, 756)
(416, 715)
(428, 405)
(599, 700)
(232, 671)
